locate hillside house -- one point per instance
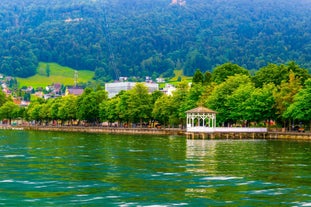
(74, 91)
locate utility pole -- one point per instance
(76, 78)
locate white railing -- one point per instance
(226, 129)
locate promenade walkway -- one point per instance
(220, 133)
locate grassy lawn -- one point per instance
(174, 80)
(178, 73)
(58, 74)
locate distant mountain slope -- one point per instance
(152, 37)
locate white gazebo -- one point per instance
(201, 119)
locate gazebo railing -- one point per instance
(226, 129)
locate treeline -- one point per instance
(281, 93)
(152, 38)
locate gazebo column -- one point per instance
(214, 120)
(210, 123)
(203, 122)
(189, 117)
(192, 121)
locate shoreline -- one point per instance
(104, 130)
(165, 131)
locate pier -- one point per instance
(201, 124)
(250, 135)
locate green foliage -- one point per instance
(260, 105)
(162, 110)
(198, 77)
(57, 74)
(218, 100)
(195, 60)
(179, 104)
(275, 74)
(285, 94)
(122, 106)
(3, 98)
(139, 103)
(222, 72)
(109, 110)
(207, 78)
(9, 111)
(33, 111)
(235, 102)
(300, 109)
(47, 70)
(145, 37)
(89, 105)
(68, 109)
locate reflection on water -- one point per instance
(88, 169)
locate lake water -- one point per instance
(63, 169)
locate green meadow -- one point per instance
(57, 74)
(174, 80)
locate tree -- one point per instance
(89, 103)
(179, 103)
(235, 102)
(155, 95)
(139, 103)
(222, 72)
(109, 110)
(285, 94)
(193, 96)
(194, 60)
(3, 98)
(198, 77)
(47, 70)
(68, 108)
(271, 73)
(260, 105)
(207, 78)
(300, 73)
(54, 108)
(33, 112)
(44, 113)
(123, 107)
(218, 99)
(9, 111)
(300, 109)
(162, 109)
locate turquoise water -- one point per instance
(63, 169)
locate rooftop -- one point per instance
(201, 109)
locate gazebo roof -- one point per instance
(201, 109)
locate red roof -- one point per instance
(75, 91)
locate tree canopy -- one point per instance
(147, 37)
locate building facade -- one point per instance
(114, 88)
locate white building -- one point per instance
(114, 88)
(169, 89)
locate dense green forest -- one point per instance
(152, 37)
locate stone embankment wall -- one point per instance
(109, 130)
(168, 131)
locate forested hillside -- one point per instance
(152, 37)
